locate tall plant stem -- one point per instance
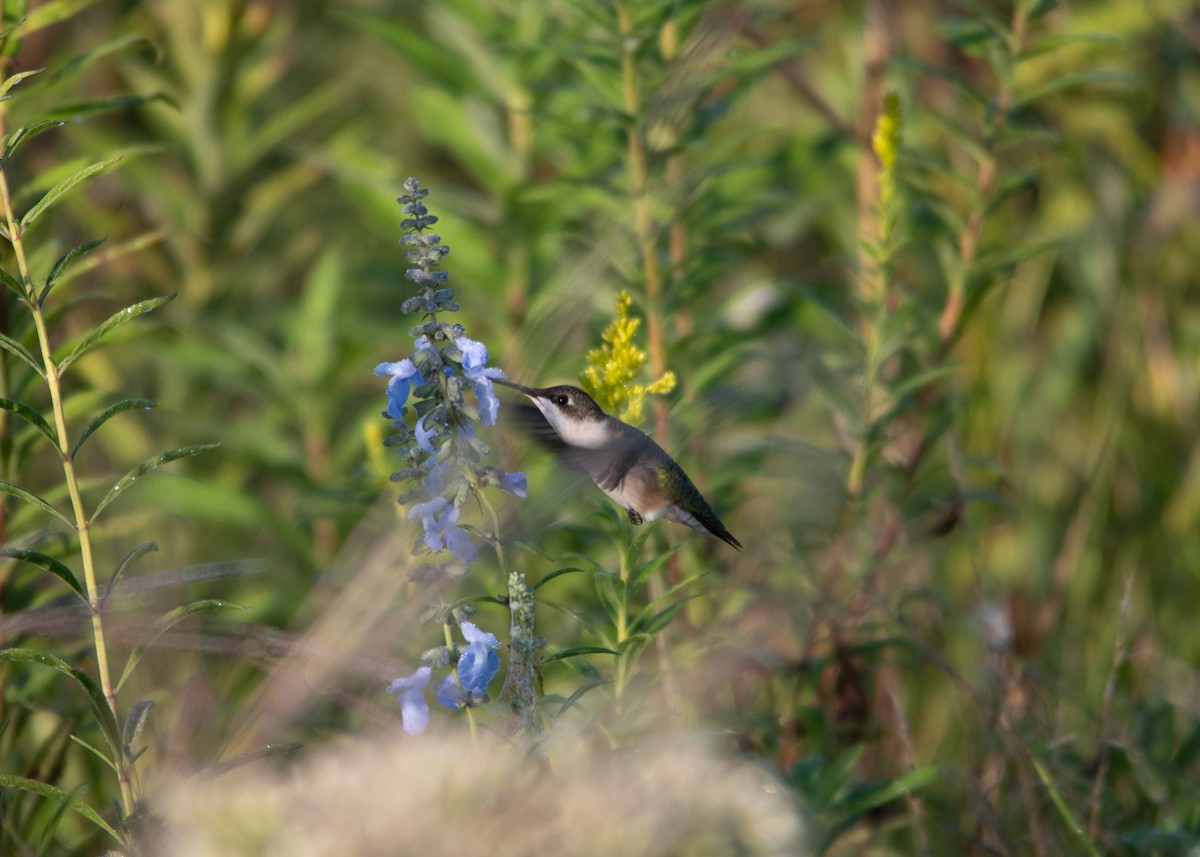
(643, 217)
(63, 447)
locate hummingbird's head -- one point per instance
(572, 413)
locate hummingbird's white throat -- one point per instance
(588, 434)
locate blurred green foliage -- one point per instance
(956, 428)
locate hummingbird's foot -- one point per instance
(634, 517)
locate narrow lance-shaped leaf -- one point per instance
(12, 781)
(55, 193)
(571, 700)
(630, 650)
(107, 414)
(30, 416)
(13, 283)
(146, 467)
(25, 133)
(126, 561)
(46, 14)
(164, 624)
(1073, 81)
(29, 497)
(134, 723)
(47, 563)
(99, 705)
(558, 572)
(109, 325)
(114, 252)
(18, 350)
(246, 758)
(112, 46)
(64, 260)
(15, 79)
(575, 651)
(76, 110)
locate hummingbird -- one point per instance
(625, 463)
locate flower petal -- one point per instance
(477, 666)
(489, 405)
(423, 435)
(450, 694)
(515, 484)
(414, 712)
(474, 353)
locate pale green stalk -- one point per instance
(63, 448)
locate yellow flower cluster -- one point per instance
(886, 143)
(613, 367)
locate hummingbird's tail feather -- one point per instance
(714, 526)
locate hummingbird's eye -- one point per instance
(561, 400)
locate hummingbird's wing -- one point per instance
(606, 467)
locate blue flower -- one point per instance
(440, 520)
(478, 665)
(514, 483)
(450, 693)
(403, 372)
(424, 435)
(474, 363)
(414, 712)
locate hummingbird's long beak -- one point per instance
(528, 391)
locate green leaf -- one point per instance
(18, 350)
(109, 324)
(147, 466)
(15, 79)
(643, 572)
(53, 12)
(13, 283)
(1054, 42)
(77, 110)
(114, 252)
(99, 705)
(107, 414)
(95, 751)
(424, 53)
(47, 563)
(611, 590)
(12, 781)
(655, 622)
(55, 193)
(134, 723)
(30, 416)
(1065, 811)
(575, 651)
(1074, 81)
(570, 701)
(112, 46)
(165, 623)
(897, 788)
(64, 260)
(246, 758)
(29, 497)
(629, 650)
(558, 572)
(126, 561)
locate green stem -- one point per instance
(521, 683)
(63, 447)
